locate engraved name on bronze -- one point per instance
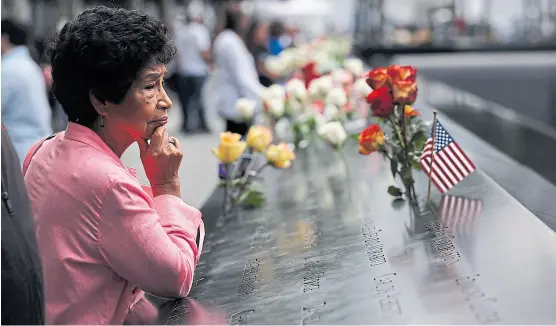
(312, 273)
(250, 277)
(482, 305)
(312, 313)
(310, 236)
(240, 318)
(443, 242)
(374, 247)
(178, 312)
(388, 295)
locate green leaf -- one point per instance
(252, 199)
(394, 167)
(394, 191)
(354, 137)
(418, 135)
(407, 176)
(416, 165)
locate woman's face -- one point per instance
(145, 106)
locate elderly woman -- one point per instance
(104, 238)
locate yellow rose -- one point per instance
(259, 137)
(230, 147)
(280, 156)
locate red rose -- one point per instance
(309, 73)
(381, 102)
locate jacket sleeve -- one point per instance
(150, 242)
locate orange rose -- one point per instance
(397, 73)
(370, 140)
(404, 91)
(378, 77)
(409, 111)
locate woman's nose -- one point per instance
(165, 102)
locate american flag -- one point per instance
(458, 213)
(450, 164)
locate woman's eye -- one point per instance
(150, 86)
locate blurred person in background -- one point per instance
(22, 280)
(26, 112)
(276, 31)
(108, 238)
(257, 40)
(236, 74)
(193, 58)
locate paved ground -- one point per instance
(198, 172)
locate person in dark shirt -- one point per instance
(256, 40)
(22, 281)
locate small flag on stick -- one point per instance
(443, 160)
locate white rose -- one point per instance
(354, 65)
(333, 132)
(337, 96)
(314, 88)
(326, 83)
(295, 88)
(294, 106)
(246, 108)
(340, 76)
(276, 92)
(275, 65)
(330, 112)
(276, 107)
(362, 89)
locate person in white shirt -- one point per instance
(236, 75)
(193, 57)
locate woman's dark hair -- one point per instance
(17, 33)
(102, 51)
(276, 29)
(232, 19)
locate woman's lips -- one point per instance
(161, 121)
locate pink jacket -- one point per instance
(103, 238)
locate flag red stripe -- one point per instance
(464, 155)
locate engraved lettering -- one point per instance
(310, 237)
(387, 295)
(240, 318)
(374, 245)
(482, 306)
(312, 272)
(311, 313)
(443, 242)
(250, 277)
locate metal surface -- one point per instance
(331, 247)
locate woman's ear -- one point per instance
(100, 106)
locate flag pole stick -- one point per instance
(432, 155)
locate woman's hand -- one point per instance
(161, 160)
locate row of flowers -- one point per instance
(324, 90)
